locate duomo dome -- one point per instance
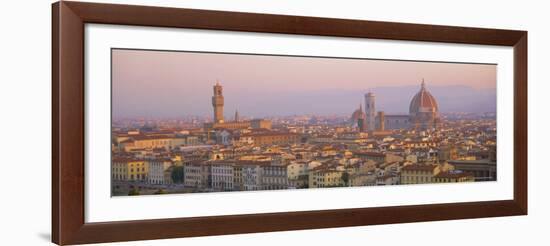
(423, 101)
(423, 110)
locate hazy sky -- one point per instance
(175, 84)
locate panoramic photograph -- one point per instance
(195, 122)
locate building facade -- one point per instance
(423, 114)
(296, 169)
(222, 176)
(157, 169)
(393, 122)
(238, 177)
(419, 173)
(274, 177)
(135, 170)
(193, 175)
(323, 177)
(482, 170)
(138, 142)
(251, 176)
(454, 176)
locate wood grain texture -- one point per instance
(68, 124)
(520, 122)
(219, 225)
(55, 123)
(252, 22)
(68, 19)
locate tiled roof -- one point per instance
(419, 167)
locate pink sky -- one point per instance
(156, 83)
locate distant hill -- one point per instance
(392, 100)
(449, 98)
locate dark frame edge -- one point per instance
(55, 123)
(520, 123)
(68, 224)
(248, 223)
(138, 15)
(67, 124)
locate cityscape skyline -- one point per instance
(182, 92)
(230, 151)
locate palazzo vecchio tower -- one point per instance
(217, 103)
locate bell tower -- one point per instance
(370, 110)
(217, 103)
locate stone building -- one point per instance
(359, 119)
(423, 114)
(219, 123)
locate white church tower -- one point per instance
(370, 111)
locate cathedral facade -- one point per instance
(423, 114)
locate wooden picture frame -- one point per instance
(68, 110)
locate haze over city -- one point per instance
(178, 84)
(190, 122)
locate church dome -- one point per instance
(423, 102)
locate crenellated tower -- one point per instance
(217, 103)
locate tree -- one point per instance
(345, 178)
(177, 174)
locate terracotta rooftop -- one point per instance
(419, 167)
(453, 174)
(125, 159)
(253, 163)
(375, 154)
